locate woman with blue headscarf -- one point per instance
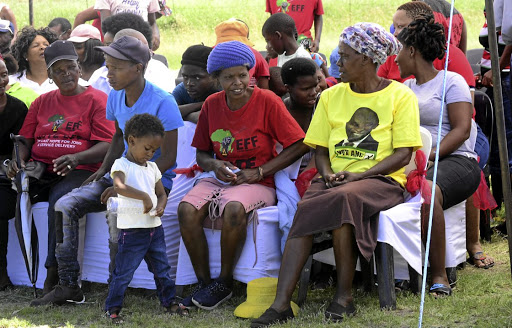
(364, 131)
(235, 142)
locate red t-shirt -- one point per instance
(303, 12)
(260, 69)
(97, 23)
(63, 125)
(246, 137)
(441, 9)
(457, 63)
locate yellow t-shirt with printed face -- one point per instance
(362, 129)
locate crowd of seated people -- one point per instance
(99, 113)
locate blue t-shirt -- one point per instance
(181, 95)
(154, 101)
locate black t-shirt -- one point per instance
(11, 120)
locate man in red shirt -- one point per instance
(304, 13)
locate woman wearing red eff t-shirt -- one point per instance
(235, 138)
(67, 132)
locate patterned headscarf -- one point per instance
(371, 40)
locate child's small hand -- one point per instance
(159, 211)
(148, 204)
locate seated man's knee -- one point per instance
(234, 215)
(187, 215)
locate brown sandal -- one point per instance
(177, 309)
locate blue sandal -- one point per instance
(440, 290)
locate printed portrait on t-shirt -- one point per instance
(359, 143)
(57, 120)
(225, 139)
(283, 4)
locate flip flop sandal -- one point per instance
(440, 290)
(335, 312)
(177, 309)
(479, 256)
(115, 318)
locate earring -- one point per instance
(50, 80)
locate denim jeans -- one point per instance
(482, 147)
(73, 206)
(134, 246)
(494, 160)
(51, 190)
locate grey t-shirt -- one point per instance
(429, 96)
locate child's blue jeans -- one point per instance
(134, 246)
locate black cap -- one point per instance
(196, 55)
(128, 48)
(59, 50)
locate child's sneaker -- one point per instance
(114, 317)
(61, 295)
(212, 296)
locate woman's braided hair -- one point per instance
(426, 36)
(415, 8)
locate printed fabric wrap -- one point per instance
(371, 40)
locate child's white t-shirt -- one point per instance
(137, 7)
(300, 53)
(143, 178)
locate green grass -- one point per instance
(193, 21)
(482, 298)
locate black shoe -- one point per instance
(187, 301)
(5, 282)
(213, 295)
(52, 279)
(336, 312)
(271, 317)
(61, 295)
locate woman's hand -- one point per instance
(224, 171)
(247, 176)
(334, 180)
(12, 168)
(94, 177)
(65, 164)
(105, 195)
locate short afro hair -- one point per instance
(10, 63)
(63, 22)
(143, 125)
(118, 22)
(297, 67)
(280, 22)
(24, 39)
